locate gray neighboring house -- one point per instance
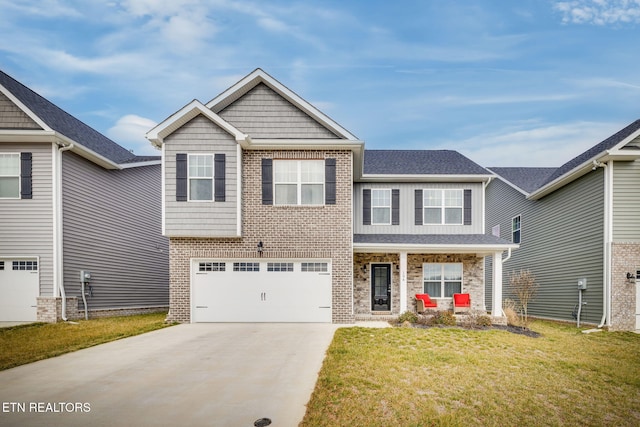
(73, 200)
(578, 221)
(276, 213)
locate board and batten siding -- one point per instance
(12, 117)
(201, 218)
(263, 113)
(112, 228)
(26, 228)
(626, 201)
(561, 242)
(407, 210)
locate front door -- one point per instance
(380, 287)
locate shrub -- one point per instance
(408, 316)
(509, 308)
(524, 286)
(443, 318)
(484, 320)
(476, 319)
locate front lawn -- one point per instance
(28, 343)
(458, 377)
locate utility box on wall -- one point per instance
(582, 283)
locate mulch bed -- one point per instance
(513, 329)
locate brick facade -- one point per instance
(472, 276)
(50, 309)
(286, 232)
(625, 259)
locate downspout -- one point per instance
(57, 235)
(608, 205)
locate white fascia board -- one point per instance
(510, 184)
(17, 135)
(303, 144)
(614, 153)
(24, 108)
(424, 178)
(186, 113)
(432, 249)
(260, 76)
(140, 164)
(88, 154)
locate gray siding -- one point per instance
(112, 227)
(626, 201)
(262, 113)
(199, 218)
(562, 241)
(407, 214)
(26, 225)
(12, 117)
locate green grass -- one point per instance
(28, 343)
(457, 377)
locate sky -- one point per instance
(506, 83)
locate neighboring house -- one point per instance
(72, 200)
(277, 213)
(578, 221)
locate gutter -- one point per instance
(608, 237)
(58, 275)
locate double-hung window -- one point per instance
(9, 175)
(442, 206)
(299, 182)
(200, 177)
(380, 206)
(516, 224)
(442, 280)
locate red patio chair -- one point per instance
(461, 302)
(423, 302)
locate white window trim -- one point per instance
(14, 176)
(298, 183)
(442, 280)
(443, 207)
(380, 207)
(189, 178)
(513, 229)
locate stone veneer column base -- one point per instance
(625, 258)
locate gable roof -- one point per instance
(421, 162)
(258, 76)
(54, 118)
(525, 180)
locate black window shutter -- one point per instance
(219, 177)
(366, 206)
(267, 181)
(467, 207)
(181, 177)
(395, 207)
(419, 207)
(26, 190)
(330, 181)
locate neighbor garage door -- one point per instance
(18, 290)
(261, 291)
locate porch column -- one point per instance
(496, 296)
(403, 282)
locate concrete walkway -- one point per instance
(186, 375)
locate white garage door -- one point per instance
(18, 289)
(261, 291)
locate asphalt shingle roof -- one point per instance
(528, 179)
(419, 162)
(69, 126)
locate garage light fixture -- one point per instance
(260, 248)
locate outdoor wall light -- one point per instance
(260, 248)
(364, 268)
(631, 276)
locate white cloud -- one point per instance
(526, 145)
(599, 12)
(129, 132)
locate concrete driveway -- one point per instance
(186, 375)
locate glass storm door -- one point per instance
(380, 287)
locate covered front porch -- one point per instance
(389, 270)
